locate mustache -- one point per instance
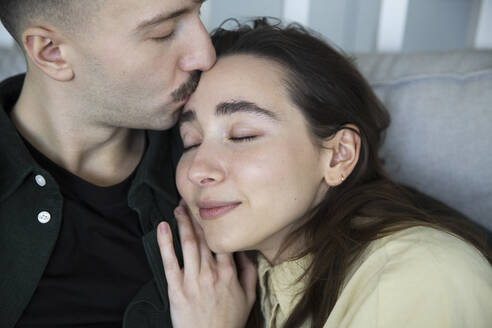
(187, 88)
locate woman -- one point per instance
(281, 140)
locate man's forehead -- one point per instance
(149, 5)
(141, 11)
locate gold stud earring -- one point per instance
(343, 179)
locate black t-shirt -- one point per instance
(98, 264)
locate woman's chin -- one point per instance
(219, 248)
(226, 241)
(224, 247)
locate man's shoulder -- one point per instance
(165, 145)
(10, 89)
(13, 81)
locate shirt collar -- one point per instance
(15, 161)
(157, 168)
(282, 285)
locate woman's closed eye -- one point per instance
(242, 138)
(191, 145)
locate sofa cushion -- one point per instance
(440, 137)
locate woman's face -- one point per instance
(250, 171)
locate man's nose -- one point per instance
(201, 54)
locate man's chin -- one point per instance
(166, 120)
(162, 125)
(163, 117)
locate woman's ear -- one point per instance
(46, 50)
(340, 155)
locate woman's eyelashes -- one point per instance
(242, 138)
(233, 139)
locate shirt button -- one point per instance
(44, 217)
(40, 180)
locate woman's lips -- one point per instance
(214, 210)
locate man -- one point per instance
(83, 180)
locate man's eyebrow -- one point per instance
(162, 17)
(231, 107)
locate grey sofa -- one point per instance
(440, 139)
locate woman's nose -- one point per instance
(206, 169)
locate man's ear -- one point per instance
(46, 50)
(341, 154)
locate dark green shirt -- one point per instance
(26, 243)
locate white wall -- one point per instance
(220, 10)
(351, 24)
(5, 39)
(368, 25)
(375, 25)
(483, 35)
(437, 24)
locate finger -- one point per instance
(248, 276)
(189, 244)
(226, 262)
(174, 275)
(206, 254)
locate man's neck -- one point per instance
(98, 154)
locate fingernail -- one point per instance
(179, 210)
(163, 228)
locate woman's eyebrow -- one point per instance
(231, 107)
(187, 116)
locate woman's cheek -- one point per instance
(182, 177)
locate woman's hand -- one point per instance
(207, 291)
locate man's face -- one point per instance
(135, 66)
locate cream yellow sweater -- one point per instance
(419, 277)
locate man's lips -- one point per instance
(214, 209)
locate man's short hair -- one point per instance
(17, 15)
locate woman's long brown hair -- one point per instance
(331, 93)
